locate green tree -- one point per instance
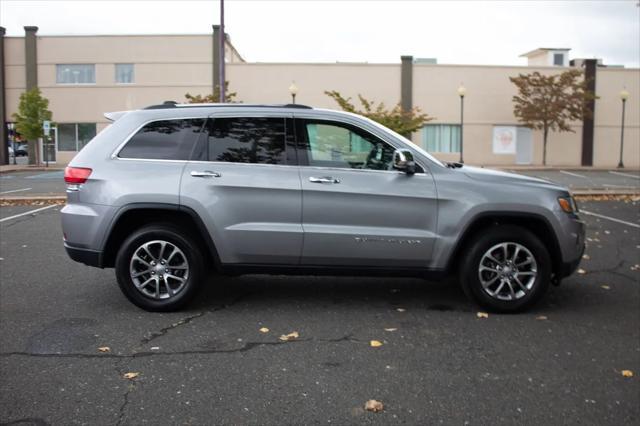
(397, 119)
(32, 111)
(214, 97)
(551, 103)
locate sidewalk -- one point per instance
(8, 168)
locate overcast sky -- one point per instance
(459, 32)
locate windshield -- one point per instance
(413, 145)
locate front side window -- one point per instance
(441, 138)
(246, 140)
(164, 140)
(74, 136)
(75, 74)
(124, 73)
(336, 145)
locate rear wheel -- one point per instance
(506, 269)
(159, 267)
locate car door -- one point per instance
(244, 182)
(357, 210)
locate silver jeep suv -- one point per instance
(167, 193)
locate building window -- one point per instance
(74, 136)
(75, 74)
(441, 137)
(558, 59)
(124, 73)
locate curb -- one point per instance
(31, 169)
(34, 198)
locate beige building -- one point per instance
(85, 76)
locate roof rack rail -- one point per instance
(174, 104)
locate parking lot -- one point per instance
(439, 362)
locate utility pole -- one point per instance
(222, 38)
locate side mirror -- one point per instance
(403, 161)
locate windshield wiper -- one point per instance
(454, 165)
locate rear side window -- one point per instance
(246, 140)
(164, 140)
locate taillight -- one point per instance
(76, 175)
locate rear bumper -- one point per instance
(86, 256)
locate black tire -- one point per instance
(485, 240)
(179, 238)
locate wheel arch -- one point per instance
(133, 216)
(536, 223)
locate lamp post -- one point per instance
(624, 95)
(293, 89)
(461, 92)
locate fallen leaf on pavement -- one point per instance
(290, 336)
(582, 271)
(390, 329)
(104, 348)
(131, 376)
(373, 405)
(401, 309)
(586, 257)
(482, 315)
(627, 373)
(607, 232)
(264, 330)
(375, 343)
(606, 287)
(542, 317)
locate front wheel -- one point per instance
(506, 269)
(159, 267)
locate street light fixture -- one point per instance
(461, 92)
(293, 89)
(624, 95)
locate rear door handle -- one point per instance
(205, 174)
(324, 179)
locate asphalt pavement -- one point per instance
(560, 363)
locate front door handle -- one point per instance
(205, 174)
(324, 179)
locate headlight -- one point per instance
(568, 204)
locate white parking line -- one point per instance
(573, 174)
(625, 174)
(15, 190)
(612, 219)
(29, 212)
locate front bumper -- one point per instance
(576, 247)
(83, 255)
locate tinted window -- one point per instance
(164, 140)
(335, 145)
(247, 140)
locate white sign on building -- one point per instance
(504, 139)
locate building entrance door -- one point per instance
(524, 146)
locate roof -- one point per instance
(542, 50)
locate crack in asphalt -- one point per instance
(247, 346)
(184, 321)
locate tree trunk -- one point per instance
(32, 151)
(544, 146)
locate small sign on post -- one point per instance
(46, 127)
